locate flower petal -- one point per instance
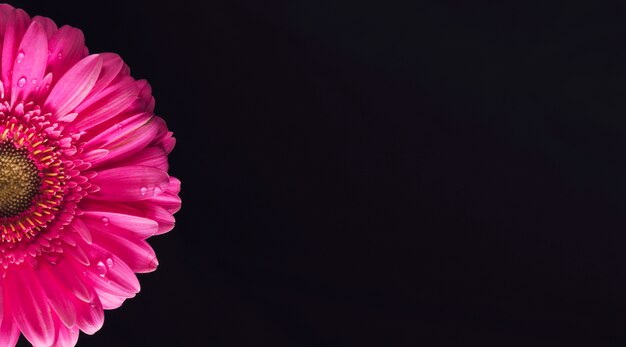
(128, 142)
(30, 64)
(152, 156)
(66, 337)
(170, 199)
(69, 272)
(30, 308)
(69, 43)
(121, 224)
(73, 87)
(136, 253)
(57, 295)
(163, 217)
(81, 229)
(16, 26)
(106, 104)
(89, 315)
(9, 332)
(129, 183)
(145, 93)
(109, 301)
(111, 68)
(117, 278)
(48, 25)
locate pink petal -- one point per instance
(129, 183)
(94, 154)
(164, 137)
(77, 253)
(42, 89)
(48, 25)
(80, 228)
(57, 295)
(2, 303)
(173, 186)
(145, 209)
(109, 301)
(163, 217)
(152, 156)
(109, 273)
(5, 13)
(111, 67)
(16, 26)
(5, 10)
(69, 43)
(69, 273)
(29, 305)
(136, 253)
(121, 224)
(127, 142)
(115, 129)
(89, 315)
(9, 332)
(106, 104)
(66, 337)
(30, 63)
(170, 199)
(73, 87)
(145, 94)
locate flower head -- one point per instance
(83, 182)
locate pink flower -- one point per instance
(83, 182)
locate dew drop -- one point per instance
(92, 304)
(119, 126)
(20, 57)
(60, 56)
(21, 82)
(109, 262)
(33, 81)
(143, 191)
(101, 268)
(105, 221)
(47, 86)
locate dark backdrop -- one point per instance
(434, 174)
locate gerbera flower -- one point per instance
(83, 182)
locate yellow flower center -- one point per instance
(19, 180)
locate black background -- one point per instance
(436, 174)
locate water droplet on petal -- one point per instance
(60, 56)
(21, 82)
(105, 220)
(47, 86)
(143, 191)
(33, 81)
(92, 304)
(101, 268)
(20, 57)
(109, 262)
(119, 126)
